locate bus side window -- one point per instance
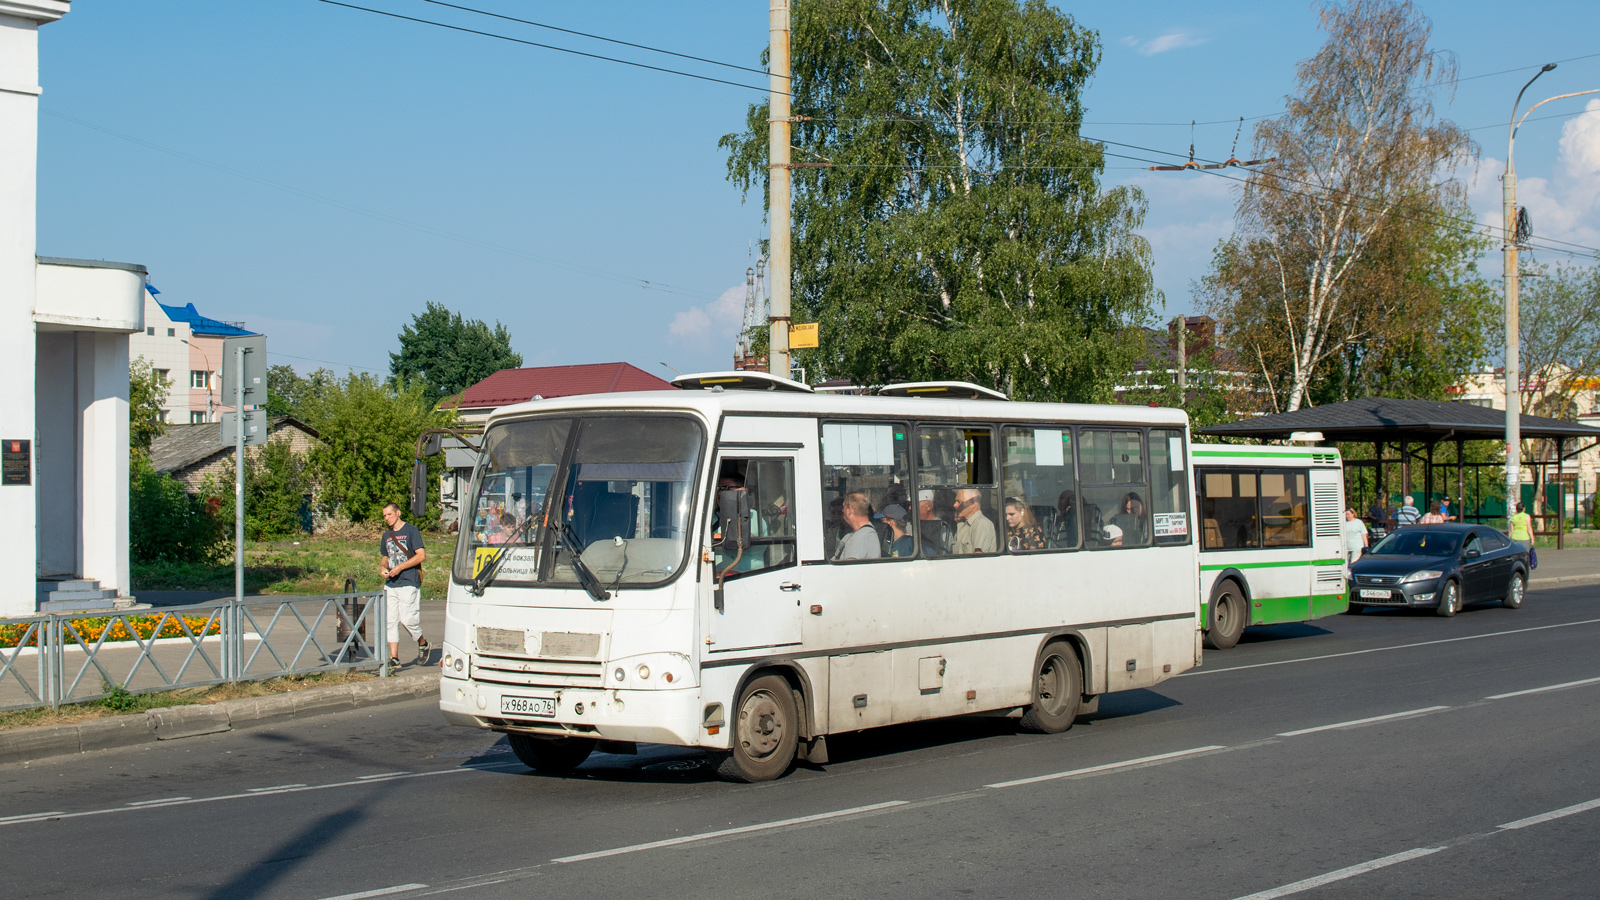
(874, 460)
(1116, 512)
(956, 471)
(1040, 489)
(1169, 486)
(1283, 509)
(1229, 513)
(769, 484)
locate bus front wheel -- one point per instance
(1057, 691)
(765, 732)
(1225, 618)
(550, 754)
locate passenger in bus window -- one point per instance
(1022, 529)
(1065, 532)
(900, 542)
(862, 540)
(1130, 519)
(935, 531)
(506, 527)
(835, 528)
(974, 531)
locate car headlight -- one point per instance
(1424, 575)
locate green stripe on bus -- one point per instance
(1273, 565)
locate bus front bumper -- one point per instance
(641, 716)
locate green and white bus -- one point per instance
(1271, 546)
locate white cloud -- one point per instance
(718, 320)
(1172, 40)
(1562, 207)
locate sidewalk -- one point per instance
(1574, 565)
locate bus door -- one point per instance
(755, 578)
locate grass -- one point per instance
(122, 703)
(316, 564)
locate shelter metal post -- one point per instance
(1405, 470)
(1461, 484)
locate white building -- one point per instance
(64, 327)
(186, 348)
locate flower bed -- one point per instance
(121, 628)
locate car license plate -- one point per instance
(528, 706)
(1375, 594)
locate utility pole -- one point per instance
(1510, 240)
(778, 173)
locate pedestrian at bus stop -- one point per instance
(1522, 532)
(1408, 514)
(1433, 516)
(403, 555)
(1355, 537)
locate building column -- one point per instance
(103, 457)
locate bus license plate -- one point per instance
(1373, 594)
(528, 706)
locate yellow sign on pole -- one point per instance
(802, 335)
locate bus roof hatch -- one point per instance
(952, 390)
(739, 380)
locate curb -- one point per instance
(176, 722)
(1564, 580)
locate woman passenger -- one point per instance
(1022, 529)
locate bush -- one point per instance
(165, 522)
(277, 493)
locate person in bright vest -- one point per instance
(1522, 533)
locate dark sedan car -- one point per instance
(1440, 567)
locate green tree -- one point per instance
(304, 398)
(449, 354)
(956, 228)
(277, 492)
(166, 523)
(147, 391)
(1330, 240)
(369, 435)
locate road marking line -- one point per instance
(257, 792)
(397, 889)
(277, 787)
(1553, 687)
(380, 775)
(1162, 757)
(30, 817)
(462, 887)
(745, 829)
(1470, 637)
(1556, 814)
(1341, 874)
(1367, 721)
(162, 800)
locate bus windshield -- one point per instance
(613, 490)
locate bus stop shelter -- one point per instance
(1412, 429)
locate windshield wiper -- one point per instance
(586, 576)
(486, 577)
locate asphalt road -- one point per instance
(1252, 777)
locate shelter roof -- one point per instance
(1388, 419)
(509, 386)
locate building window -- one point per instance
(199, 379)
(165, 375)
(172, 332)
(161, 416)
(196, 417)
(150, 330)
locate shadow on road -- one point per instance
(315, 838)
(1261, 634)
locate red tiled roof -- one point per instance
(509, 386)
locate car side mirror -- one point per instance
(1472, 553)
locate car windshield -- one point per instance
(1418, 542)
(616, 487)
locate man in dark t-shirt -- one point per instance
(403, 555)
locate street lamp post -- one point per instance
(1509, 248)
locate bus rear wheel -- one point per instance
(1057, 691)
(550, 754)
(1225, 618)
(765, 732)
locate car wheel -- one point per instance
(550, 754)
(1449, 599)
(1226, 617)
(1518, 587)
(1057, 691)
(765, 732)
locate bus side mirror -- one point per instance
(419, 489)
(733, 511)
(432, 444)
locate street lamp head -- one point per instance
(1547, 67)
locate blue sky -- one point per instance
(321, 174)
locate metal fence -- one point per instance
(49, 660)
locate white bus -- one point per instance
(1271, 540)
(692, 567)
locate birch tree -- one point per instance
(1362, 161)
(953, 225)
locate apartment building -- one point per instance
(185, 347)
